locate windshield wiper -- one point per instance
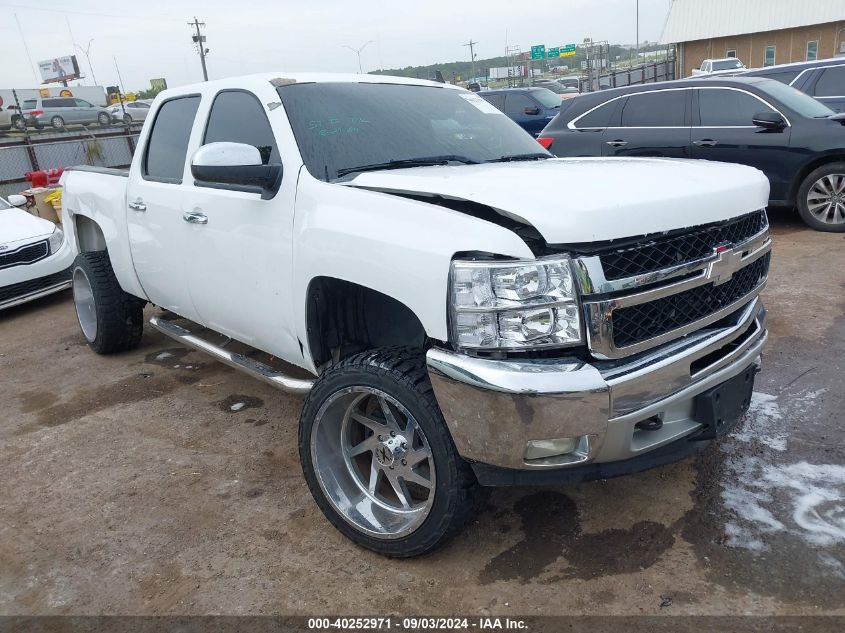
(424, 161)
(515, 157)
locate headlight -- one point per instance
(514, 305)
(56, 239)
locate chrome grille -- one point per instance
(645, 321)
(28, 254)
(656, 253)
(638, 312)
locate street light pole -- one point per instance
(87, 51)
(638, 32)
(357, 51)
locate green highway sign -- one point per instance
(567, 51)
(538, 51)
(554, 52)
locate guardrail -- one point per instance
(109, 147)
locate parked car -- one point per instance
(455, 321)
(530, 108)
(725, 66)
(130, 112)
(796, 141)
(35, 258)
(59, 112)
(823, 79)
(10, 117)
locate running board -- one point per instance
(238, 361)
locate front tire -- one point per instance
(111, 319)
(104, 119)
(821, 198)
(378, 457)
(127, 119)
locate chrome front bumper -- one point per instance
(494, 407)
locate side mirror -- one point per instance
(768, 120)
(235, 166)
(532, 111)
(17, 200)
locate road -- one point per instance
(128, 484)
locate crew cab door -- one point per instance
(238, 244)
(156, 186)
(723, 131)
(526, 112)
(650, 124)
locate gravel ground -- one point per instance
(161, 482)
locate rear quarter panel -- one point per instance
(101, 197)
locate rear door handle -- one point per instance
(138, 205)
(195, 217)
(617, 143)
(705, 142)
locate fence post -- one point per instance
(30, 150)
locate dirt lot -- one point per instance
(129, 485)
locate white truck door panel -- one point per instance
(155, 191)
(238, 263)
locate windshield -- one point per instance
(546, 97)
(340, 126)
(795, 99)
(727, 64)
(4, 205)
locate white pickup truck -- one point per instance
(402, 247)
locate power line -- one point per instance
(26, 49)
(122, 16)
(471, 44)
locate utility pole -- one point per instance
(638, 32)
(87, 51)
(357, 51)
(471, 45)
(199, 40)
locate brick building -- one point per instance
(758, 32)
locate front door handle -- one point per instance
(195, 217)
(705, 142)
(138, 205)
(617, 143)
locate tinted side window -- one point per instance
(784, 78)
(57, 103)
(168, 142)
(237, 117)
(516, 104)
(655, 109)
(600, 117)
(81, 103)
(498, 101)
(831, 83)
(721, 108)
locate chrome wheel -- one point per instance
(373, 462)
(826, 199)
(86, 308)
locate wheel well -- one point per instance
(809, 167)
(89, 236)
(344, 318)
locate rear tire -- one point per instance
(18, 123)
(821, 198)
(389, 479)
(111, 319)
(57, 122)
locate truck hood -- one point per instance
(576, 200)
(17, 227)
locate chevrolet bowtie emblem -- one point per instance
(722, 268)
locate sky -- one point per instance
(151, 38)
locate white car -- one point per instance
(10, 117)
(35, 257)
(725, 66)
(454, 321)
(130, 111)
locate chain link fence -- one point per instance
(19, 157)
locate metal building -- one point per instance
(759, 32)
